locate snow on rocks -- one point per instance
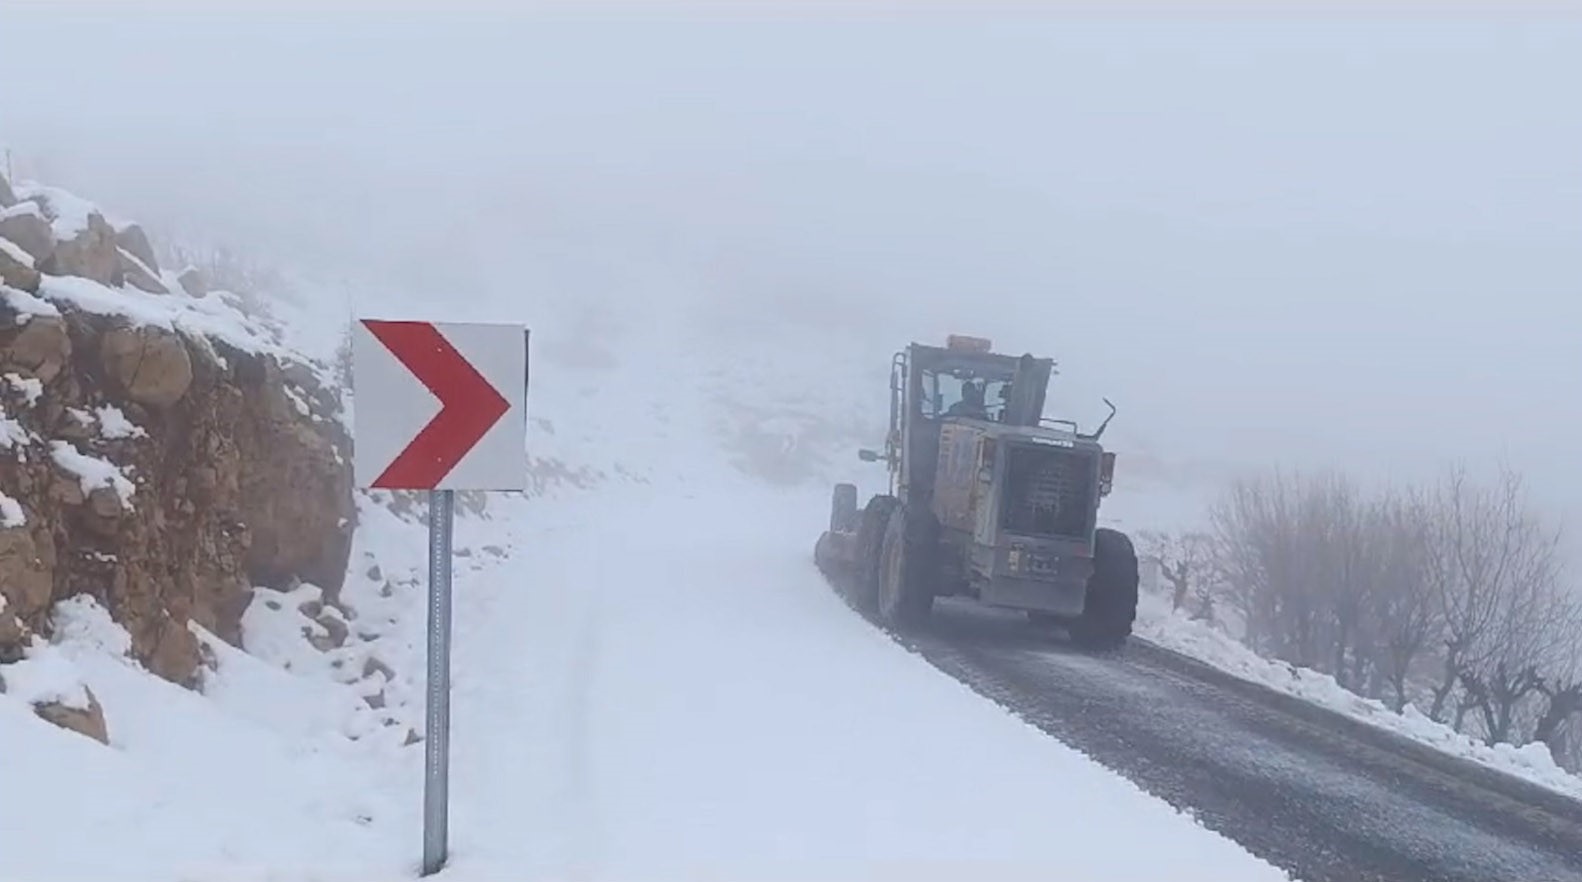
(37, 344)
(239, 488)
(12, 435)
(68, 213)
(17, 268)
(11, 515)
(25, 305)
(24, 225)
(14, 252)
(134, 241)
(30, 388)
(109, 269)
(92, 472)
(114, 425)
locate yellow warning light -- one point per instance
(963, 343)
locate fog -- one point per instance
(1315, 242)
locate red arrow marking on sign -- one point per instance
(469, 404)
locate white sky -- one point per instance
(1327, 242)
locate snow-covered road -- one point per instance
(669, 691)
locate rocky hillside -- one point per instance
(160, 452)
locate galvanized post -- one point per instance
(436, 772)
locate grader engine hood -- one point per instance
(999, 481)
(1048, 491)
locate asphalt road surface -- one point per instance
(1314, 794)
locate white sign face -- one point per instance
(439, 405)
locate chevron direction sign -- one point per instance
(439, 405)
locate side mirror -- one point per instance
(868, 455)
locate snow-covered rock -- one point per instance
(24, 225)
(17, 268)
(149, 448)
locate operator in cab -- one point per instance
(971, 404)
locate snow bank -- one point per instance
(1159, 624)
(45, 675)
(234, 784)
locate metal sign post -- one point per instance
(432, 401)
(436, 765)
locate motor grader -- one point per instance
(987, 499)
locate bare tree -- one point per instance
(1483, 544)
(1251, 524)
(1293, 555)
(1383, 590)
(1406, 619)
(1185, 561)
(1563, 703)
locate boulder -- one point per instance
(175, 654)
(135, 242)
(14, 638)
(336, 631)
(92, 254)
(192, 282)
(151, 365)
(27, 577)
(17, 268)
(137, 274)
(84, 721)
(39, 348)
(296, 493)
(26, 226)
(102, 513)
